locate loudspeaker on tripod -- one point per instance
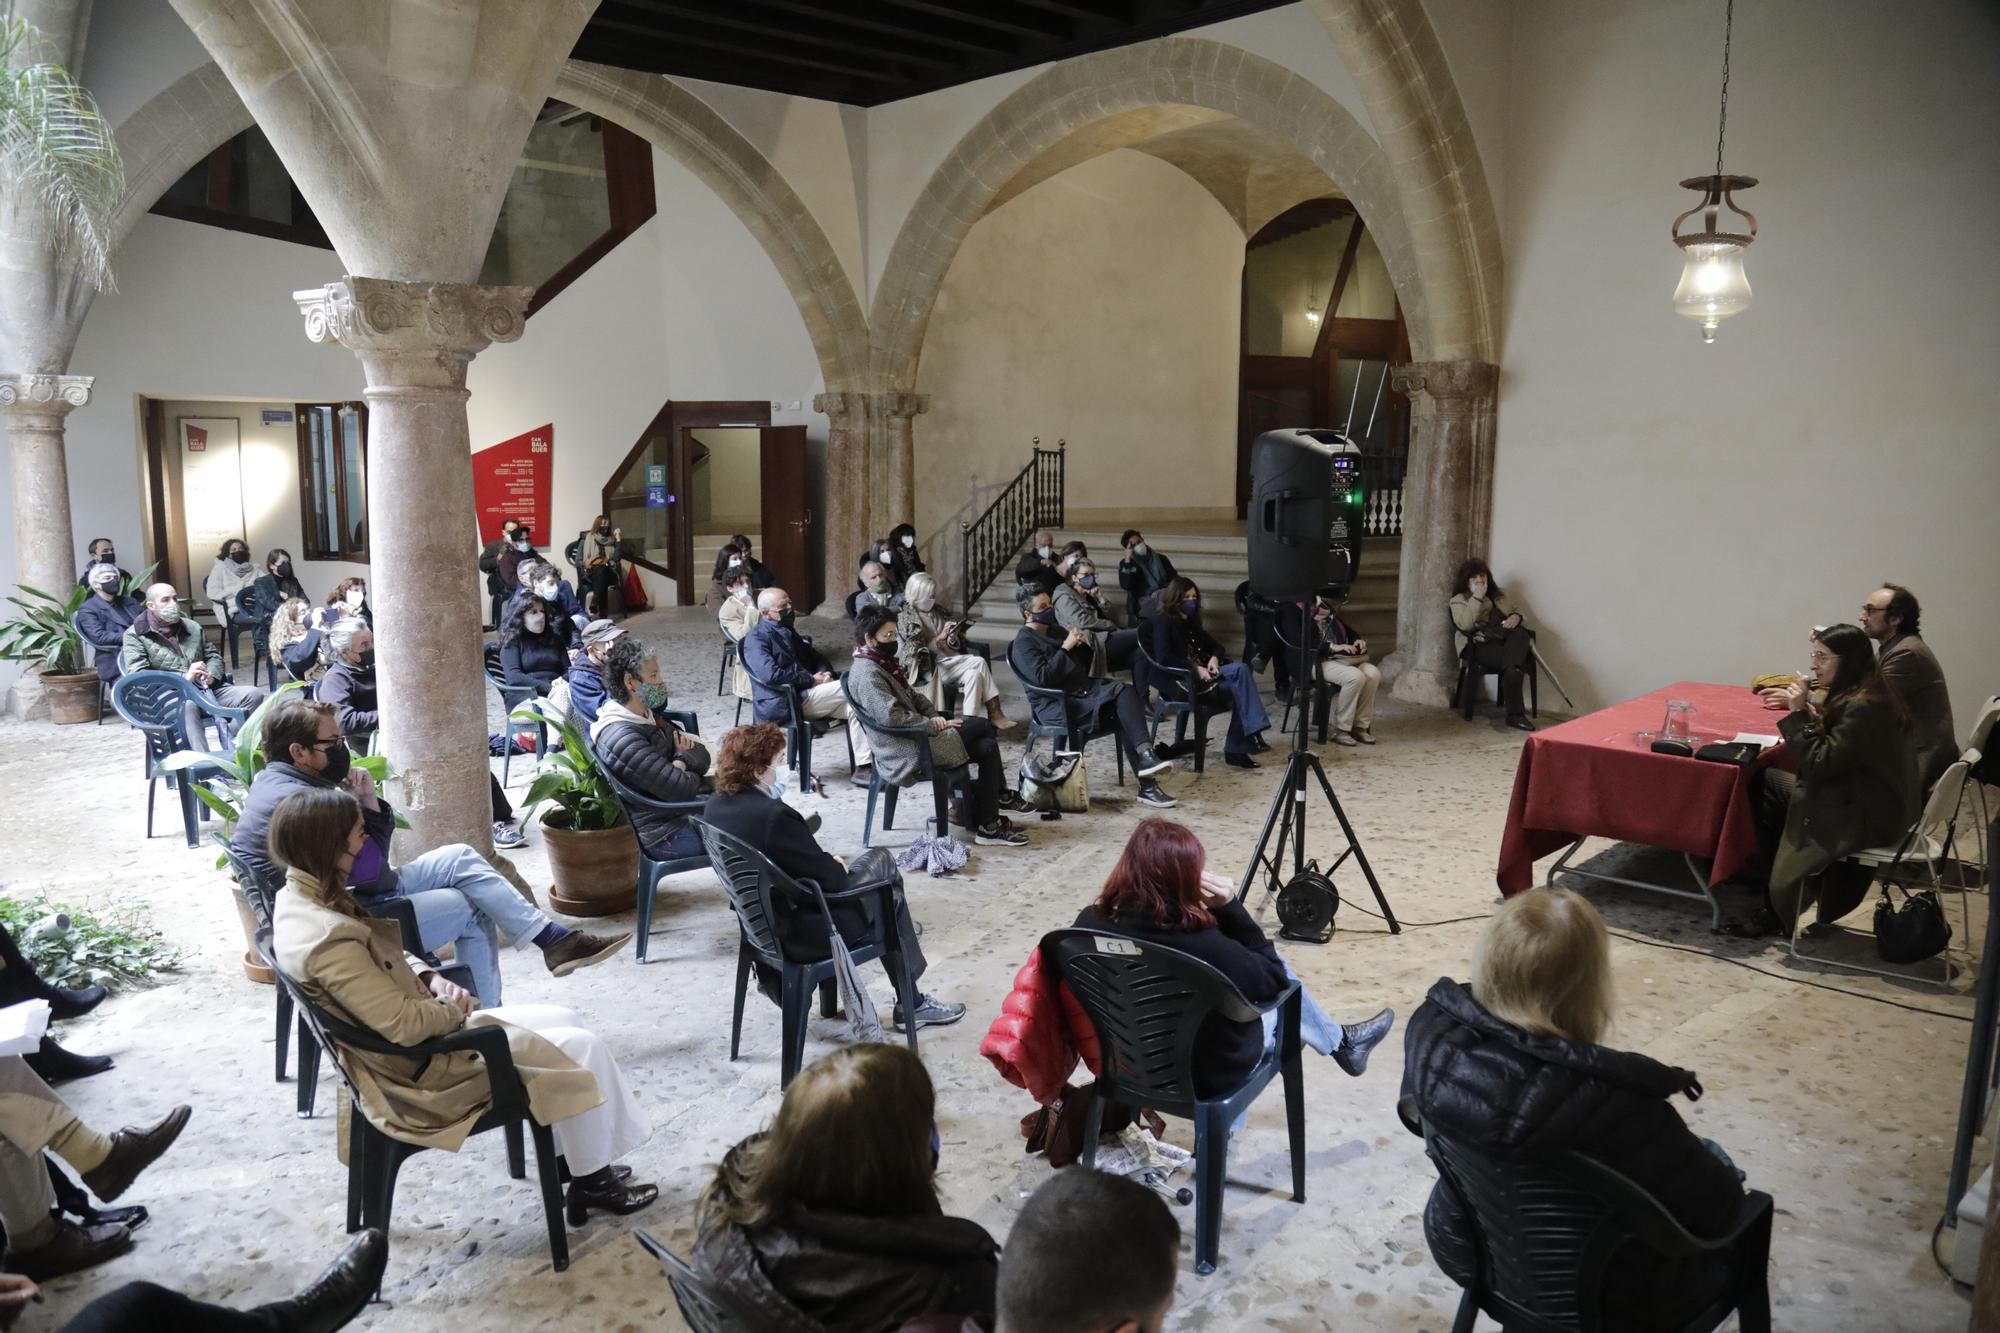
(1305, 508)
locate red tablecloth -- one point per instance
(1593, 777)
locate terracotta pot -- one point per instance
(71, 698)
(253, 965)
(596, 871)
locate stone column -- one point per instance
(1448, 498)
(414, 340)
(845, 530)
(892, 491)
(44, 550)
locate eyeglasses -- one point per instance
(1868, 610)
(330, 740)
(1819, 659)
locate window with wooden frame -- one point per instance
(333, 480)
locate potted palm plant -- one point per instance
(593, 852)
(45, 633)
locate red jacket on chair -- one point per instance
(1040, 1033)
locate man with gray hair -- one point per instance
(164, 638)
(349, 683)
(776, 655)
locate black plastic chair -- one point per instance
(1063, 735)
(800, 729)
(374, 1158)
(1148, 1003)
(940, 779)
(699, 1305)
(650, 871)
(1150, 676)
(155, 702)
(1549, 1228)
(755, 886)
(1323, 690)
(512, 696)
(732, 653)
(1464, 697)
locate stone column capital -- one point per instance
(1447, 381)
(44, 395)
(418, 334)
(857, 406)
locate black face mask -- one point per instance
(338, 761)
(367, 662)
(604, 527)
(1046, 618)
(239, 557)
(108, 558)
(786, 617)
(283, 569)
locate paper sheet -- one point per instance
(1758, 738)
(22, 1026)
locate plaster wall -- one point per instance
(1102, 306)
(1671, 511)
(135, 49)
(728, 488)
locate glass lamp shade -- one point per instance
(1713, 285)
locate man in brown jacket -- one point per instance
(1890, 616)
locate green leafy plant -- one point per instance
(58, 151)
(45, 631)
(115, 948)
(567, 778)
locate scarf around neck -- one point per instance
(868, 652)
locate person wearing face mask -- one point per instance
(459, 898)
(298, 634)
(902, 559)
(1493, 637)
(931, 646)
(102, 552)
(761, 576)
(520, 550)
(273, 588)
(1343, 662)
(1079, 604)
(1178, 638)
(777, 655)
(164, 638)
(876, 590)
(229, 579)
(1037, 568)
(749, 804)
(105, 616)
(1054, 660)
(347, 601)
(349, 682)
(968, 744)
(582, 692)
(647, 752)
(541, 579)
(1144, 574)
(736, 613)
(489, 565)
(600, 555)
(534, 643)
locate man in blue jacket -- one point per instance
(775, 654)
(586, 670)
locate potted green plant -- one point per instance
(45, 632)
(593, 852)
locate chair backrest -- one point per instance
(153, 701)
(789, 693)
(1548, 1227)
(1020, 674)
(260, 893)
(1981, 736)
(1148, 1003)
(1941, 807)
(1153, 666)
(700, 1307)
(490, 654)
(752, 883)
(630, 797)
(869, 722)
(325, 1028)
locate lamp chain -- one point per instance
(1728, 26)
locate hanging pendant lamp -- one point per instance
(1713, 285)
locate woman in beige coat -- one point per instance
(738, 616)
(353, 965)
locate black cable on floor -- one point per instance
(1799, 981)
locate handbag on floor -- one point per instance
(1913, 931)
(1056, 783)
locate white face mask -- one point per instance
(735, 560)
(775, 782)
(1043, 551)
(1140, 548)
(170, 612)
(356, 596)
(926, 603)
(534, 623)
(885, 554)
(908, 541)
(742, 594)
(1478, 587)
(522, 544)
(547, 590)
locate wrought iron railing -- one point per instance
(1382, 494)
(1032, 501)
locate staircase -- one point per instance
(1217, 560)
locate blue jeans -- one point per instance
(1317, 1030)
(462, 900)
(1246, 708)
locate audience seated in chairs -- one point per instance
(355, 966)
(534, 643)
(931, 646)
(458, 897)
(273, 587)
(546, 582)
(1038, 567)
(1855, 786)
(231, 580)
(760, 573)
(163, 638)
(737, 614)
(102, 552)
(1492, 638)
(876, 590)
(647, 752)
(1511, 1064)
(582, 692)
(1161, 892)
(1079, 604)
(1092, 705)
(898, 554)
(829, 1220)
(1179, 639)
(105, 616)
(1144, 574)
(728, 564)
(1891, 617)
(296, 637)
(349, 682)
(776, 654)
(749, 804)
(1343, 662)
(600, 551)
(41, 1243)
(883, 690)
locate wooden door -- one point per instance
(791, 546)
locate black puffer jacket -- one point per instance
(642, 757)
(1490, 1085)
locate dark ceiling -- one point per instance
(866, 52)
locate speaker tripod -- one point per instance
(1287, 816)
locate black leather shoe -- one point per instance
(862, 776)
(1258, 745)
(131, 1217)
(132, 1151)
(1239, 761)
(603, 1191)
(65, 1003)
(1362, 1038)
(338, 1294)
(812, 823)
(1762, 923)
(55, 1065)
(1520, 724)
(73, 1249)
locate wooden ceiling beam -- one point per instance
(818, 35)
(968, 39)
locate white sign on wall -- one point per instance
(211, 490)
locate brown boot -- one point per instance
(580, 948)
(132, 1151)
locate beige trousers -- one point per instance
(827, 701)
(30, 1115)
(1354, 706)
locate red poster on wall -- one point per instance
(513, 479)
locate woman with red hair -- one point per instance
(1160, 893)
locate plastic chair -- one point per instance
(1550, 1228)
(732, 653)
(512, 696)
(1149, 675)
(1466, 664)
(941, 779)
(1148, 1003)
(700, 1306)
(1069, 740)
(650, 871)
(755, 887)
(374, 1158)
(799, 729)
(155, 702)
